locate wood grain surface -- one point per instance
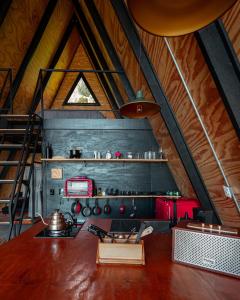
(18, 30)
(210, 107)
(163, 138)
(66, 269)
(102, 46)
(123, 48)
(81, 61)
(232, 25)
(43, 54)
(64, 62)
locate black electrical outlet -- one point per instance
(52, 192)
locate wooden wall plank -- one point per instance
(104, 50)
(43, 54)
(232, 24)
(122, 47)
(17, 31)
(210, 106)
(81, 61)
(163, 138)
(64, 61)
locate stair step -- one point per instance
(15, 131)
(8, 200)
(13, 116)
(4, 220)
(11, 163)
(25, 221)
(11, 181)
(4, 200)
(19, 118)
(12, 130)
(11, 146)
(16, 146)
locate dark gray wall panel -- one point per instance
(103, 135)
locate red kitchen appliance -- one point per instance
(79, 186)
(164, 208)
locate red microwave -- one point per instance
(79, 186)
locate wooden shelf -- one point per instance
(84, 160)
(123, 196)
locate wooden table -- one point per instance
(65, 269)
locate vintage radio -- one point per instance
(211, 247)
(79, 186)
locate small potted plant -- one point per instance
(118, 154)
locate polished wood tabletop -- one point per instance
(63, 269)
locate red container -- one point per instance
(164, 208)
(186, 205)
(79, 186)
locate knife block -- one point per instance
(120, 252)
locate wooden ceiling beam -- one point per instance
(98, 60)
(39, 90)
(166, 110)
(109, 47)
(30, 52)
(4, 6)
(224, 66)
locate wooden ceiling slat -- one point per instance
(81, 61)
(44, 54)
(98, 59)
(231, 23)
(96, 19)
(53, 63)
(123, 48)
(224, 67)
(213, 115)
(166, 110)
(64, 62)
(31, 49)
(4, 6)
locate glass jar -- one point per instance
(129, 155)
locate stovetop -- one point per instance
(70, 232)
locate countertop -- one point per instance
(32, 268)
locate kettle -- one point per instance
(57, 221)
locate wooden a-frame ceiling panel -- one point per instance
(17, 30)
(123, 48)
(232, 23)
(200, 82)
(81, 61)
(104, 51)
(55, 81)
(43, 54)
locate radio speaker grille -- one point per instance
(212, 252)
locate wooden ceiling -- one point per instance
(212, 142)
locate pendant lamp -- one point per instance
(176, 17)
(139, 108)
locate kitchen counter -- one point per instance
(64, 269)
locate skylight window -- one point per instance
(81, 93)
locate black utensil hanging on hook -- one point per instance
(87, 210)
(97, 210)
(134, 209)
(107, 208)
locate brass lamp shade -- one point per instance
(140, 108)
(176, 17)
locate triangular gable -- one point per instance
(81, 93)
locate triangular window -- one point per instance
(81, 93)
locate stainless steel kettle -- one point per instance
(57, 221)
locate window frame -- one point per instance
(79, 77)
